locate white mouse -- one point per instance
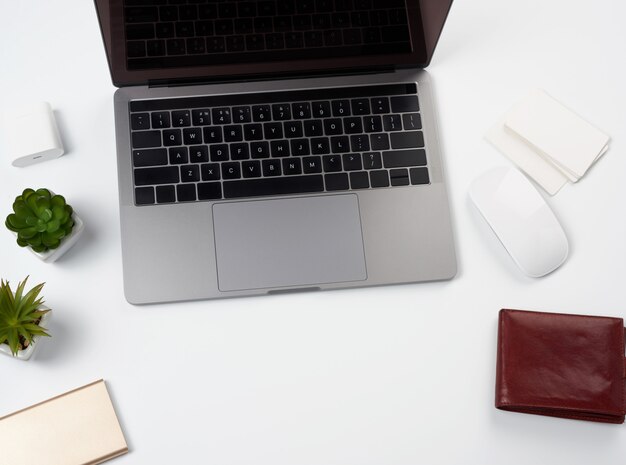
(521, 219)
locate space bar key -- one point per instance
(273, 186)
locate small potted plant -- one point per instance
(44, 223)
(22, 319)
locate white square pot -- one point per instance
(65, 245)
(30, 350)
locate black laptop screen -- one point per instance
(155, 40)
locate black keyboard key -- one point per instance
(210, 171)
(293, 129)
(251, 169)
(149, 157)
(412, 121)
(186, 192)
(379, 178)
(261, 113)
(161, 119)
(219, 152)
(139, 31)
(231, 170)
(332, 163)
(175, 46)
(352, 36)
(239, 151)
(227, 10)
(243, 26)
(352, 162)
(273, 131)
(372, 161)
(360, 106)
(253, 131)
(192, 136)
(301, 110)
(209, 191)
(242, 114)
(165, 194)
(215, 45)
(280, 148)
(407, 140)
(313, 128)
(168, 13)
(380, 105)
(255, 42)
(353, 125)
(300, 147)
(224, 27)
(333, 38)
(141, 14)
(320, 145)
(186, 12)
(165, 30)
(292, 166)
(198, 154)
(337, 182)
(360, 143)
(341, 107)
(201, 117)
(190, 173)
(379, 141)
(195, 45)
(136, 49)
(233, 133)
(181, 118)
(146, 139)
(236, 43)
(399, 177)
(271, 168)
(313, 39)
(172, 137)
(155, 48)
(260, 150)
(161, 175)
(404, 104)
(274, 41)
(184, 29)
(293, 39)
(179, 155)
(139, 121)
(144, 195)
(281, 111)
(312, 165)
(340, 144)
(333, 126)
(419, 176)
(373, 124)
(398, 158)
(392, 123)
(321, 109)
(212, 134)
(221, 115)
(207, 11)
(359, 180)
(276, 186)
(262, 25)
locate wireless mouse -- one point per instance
(521, 219)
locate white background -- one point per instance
(390, 375)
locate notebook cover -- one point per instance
(76, 428)
(569, 366)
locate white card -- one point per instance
(526, 159)
(557, 133)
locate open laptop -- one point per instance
(276, 145)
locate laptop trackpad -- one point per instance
(288, 242)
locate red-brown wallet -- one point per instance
(569, 366)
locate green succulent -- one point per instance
(40, 219)
(20, 315)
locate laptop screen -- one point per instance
(187, 40)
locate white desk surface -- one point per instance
(391, 375)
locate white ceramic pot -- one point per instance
(65, 245)
(30, 350)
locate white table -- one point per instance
(391, 375)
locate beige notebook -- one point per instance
(76, 428)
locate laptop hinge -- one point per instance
(264, 77)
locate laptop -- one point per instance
(276, 146)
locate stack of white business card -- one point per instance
(549, 142)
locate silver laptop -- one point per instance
(276, 146)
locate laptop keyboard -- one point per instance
(174, 33)
(276, 143)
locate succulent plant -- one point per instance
(20, 315)
(40, 219)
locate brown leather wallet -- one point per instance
(568, 366)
